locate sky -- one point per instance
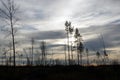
(45, 19)
(51, 14)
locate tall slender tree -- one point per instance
(65, 54)
(10, 57)
(67, 33)
(81, 49)
(8, 13)
(77, 35)
(87, 53)
(79, 43)
(104, 49)
(72, 52)
(32, 47)
(69, 30)
(43, 51)
(98, 56)
(5, 51)
(27, 57)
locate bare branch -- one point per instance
(4, 5)
(5, 15)
(8, 13)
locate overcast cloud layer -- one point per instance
(44, 20)
(51, 14)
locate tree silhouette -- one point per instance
(72, 60)
(79, 43)
(32, 47)
(8, 13)
(87, 53)
(65, 54)
(43, 51)
(10, 57)
(104, 50)
(27, 57)
(5, 51)
(51, 60)
(69, 30)
(98, 55)
(81, 49)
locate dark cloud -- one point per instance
(116, 21)
(46, 35)
(110, 34)
(27, 27)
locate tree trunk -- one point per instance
(13, 40)
(32, 51)
(68, 48)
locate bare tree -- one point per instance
(98, 56)
(87, 53)
(8, 12)
(10, 49)
(43, 51)
(32, 47)
(65, 54)
(104, 51)
(51, 60)
(5, 51)
(27, 57)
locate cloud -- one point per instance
(110, 34)
(46, 35)
(91, 36)
(83, 13)
(44, 20)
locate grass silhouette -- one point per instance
(104, 72)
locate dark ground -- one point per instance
(60, 73)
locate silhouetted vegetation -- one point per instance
(8, 14)
(61, 73)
